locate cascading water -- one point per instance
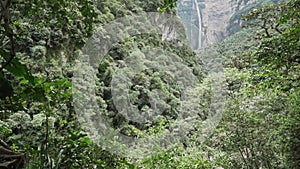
(190, 13)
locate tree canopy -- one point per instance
(42, 41)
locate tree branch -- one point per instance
(10, 159)
(3, 144)
(276, 28)
(266, 29)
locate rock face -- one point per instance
(211, 22)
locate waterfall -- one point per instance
(191, 15)
(198, 43)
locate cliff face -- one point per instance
(215, 18)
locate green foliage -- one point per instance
(176, 158)
(168, 5)
(294, 129)
(278, 52)
(40, 40)
(259, 127)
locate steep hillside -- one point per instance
(114, 84)
(209, 21)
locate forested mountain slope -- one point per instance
(40, 48)
(62, 107)
(260, 127)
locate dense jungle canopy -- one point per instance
(174, 101)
